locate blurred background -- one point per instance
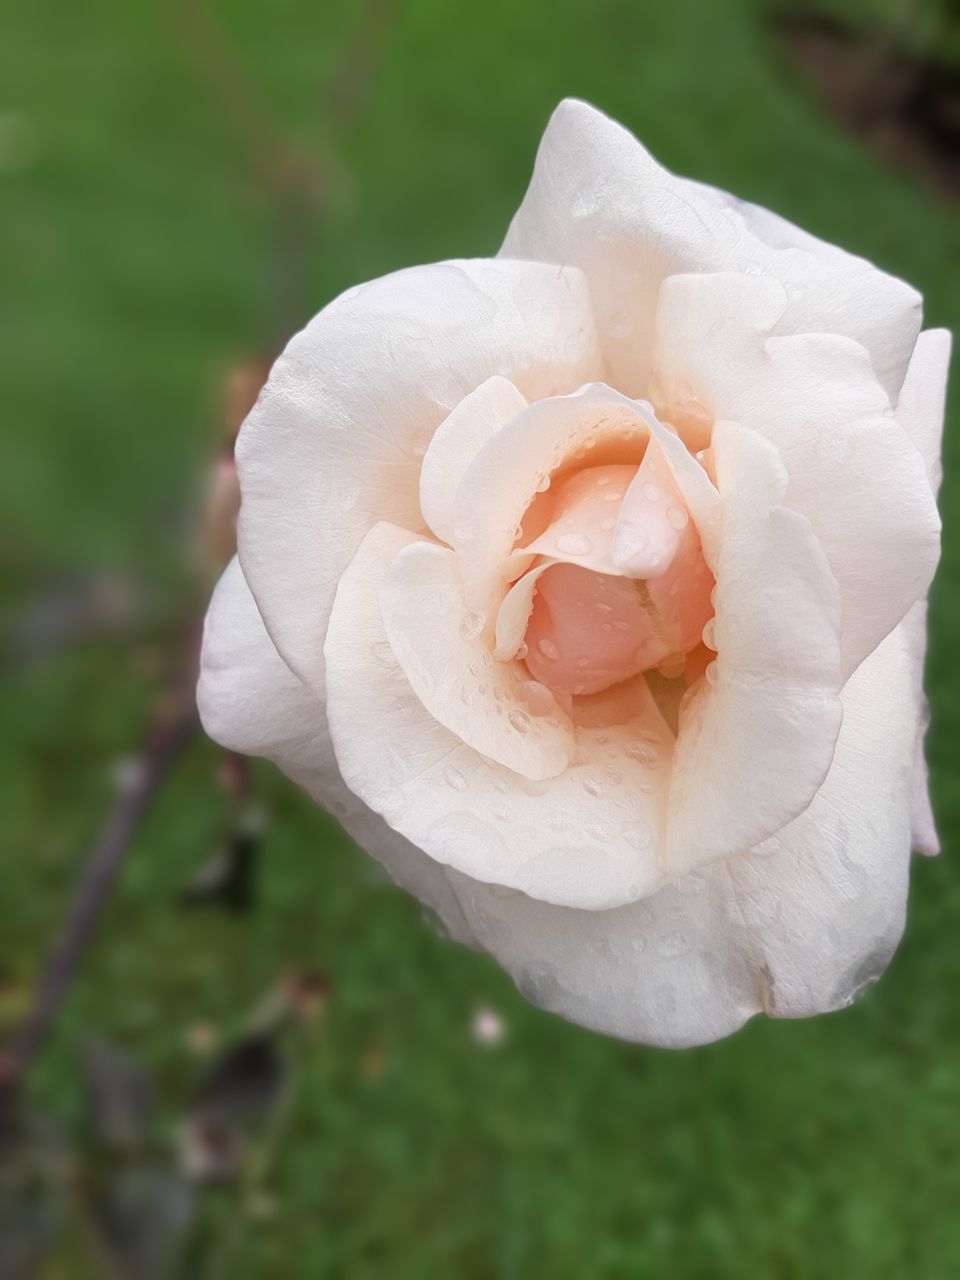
(263, 1063)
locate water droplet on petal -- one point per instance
(636, 834)
(471, 626)
(593, 786)
(549, 650)
(651, 492)
(519, 721)
(455, 779)
(679, 517)
(574, 544)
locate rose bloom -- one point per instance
(586, 586)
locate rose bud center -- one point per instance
(619, 585)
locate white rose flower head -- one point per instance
(586, 586)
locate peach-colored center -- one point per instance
(621, 585)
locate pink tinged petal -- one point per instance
(591, 630)
(599, 201)
(792, 928)
(516, 464)
(336, 439)
(250, 701)
(853, 471)
(455, 444)
(583, 517)
(651, 519)
(446, 658)
(589, 837)
(757, 734)
(590, 624)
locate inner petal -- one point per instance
(620, 586)
(591, 630)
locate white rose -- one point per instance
(586, 585)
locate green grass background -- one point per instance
(134, 254)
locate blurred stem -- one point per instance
(134, 796)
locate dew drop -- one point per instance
(636, 834)
(582, 663)
(543, 484)
(651, 492)
(574, 544)
(549, 650)
(523, 650)
(607, 525)
(455, 779)
(613, 496)
(678, 517)
(622, 625)
(603, 607)
(643, 754)
(519, 720)
(710, 675)
(383, 653)
(536, 697)
(471, 626)
(673, 945)
(602, 480)
(710, 635)
(593, 786)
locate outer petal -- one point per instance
(455, 444)
(853, 471)
(757, 735)
(829, 289)
(335, 440)
(599, 201)
(920, 410)
(589, 837)
(792, 928)
(449, 666)
(250, 701)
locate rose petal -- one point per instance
(920, 408)
(250, 701)
(446, 658)
(455, 444)
(793, 928)
(853, 472)
(589, 837)
(599, 201)
(757, 734)
(505, 475)
(336, 438)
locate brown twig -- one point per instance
(135, 793)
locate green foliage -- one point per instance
(137, 249)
